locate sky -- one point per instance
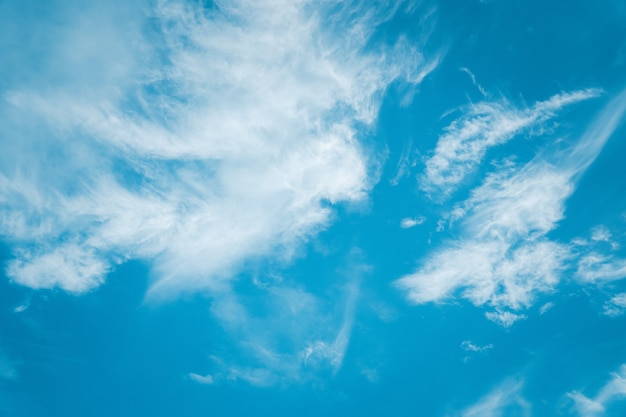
(313, 208)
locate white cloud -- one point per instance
(409, 222)
(468, 346)
(221, 137)
(504, 318)
(473, 78)
(503, 400)
(616, 306)
(503, 256)
(613, 390)
(22, 307)
(334, 351)
(601, 233)
(546, 307)
(201, 379)
(70, 267)
(283, 334)
(595, 263)
(463, 145)
(595, 266)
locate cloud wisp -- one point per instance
(598, 267)
(465, 141)
(223, 136)
(613, 390)
(470, 74)
(288, 336)
(503, 257)
(410, 222)
(504, 399)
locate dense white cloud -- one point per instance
(486, 124)
(221, 135)
(503, 256)
(613, 390)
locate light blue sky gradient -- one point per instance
(234, 208)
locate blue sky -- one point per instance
(403, 208)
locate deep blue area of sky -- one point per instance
(110, 353)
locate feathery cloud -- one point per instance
(501, 401)
(221, 135)
(596, 266)
(484, 125)
(614, 389)
(503, 256)
(288, 337)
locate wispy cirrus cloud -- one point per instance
(503, 400)
(480, 88)
(503, 256)
(462, 146)
(613, 390)
(287, 337)
(219, 136)
(598, 267)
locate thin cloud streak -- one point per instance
(501, 401)
(595, 137)
(473, 78)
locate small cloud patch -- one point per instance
(409, 222)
